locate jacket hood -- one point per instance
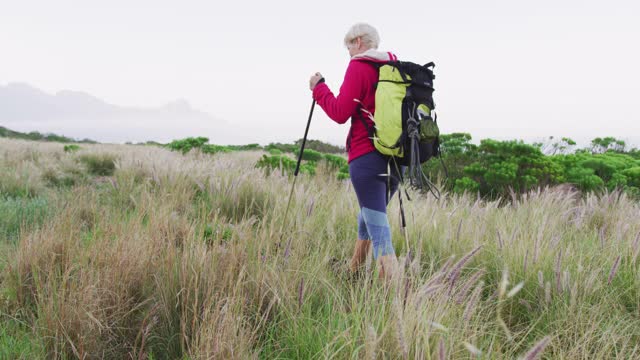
(376, 56)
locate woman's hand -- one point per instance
(315, 79)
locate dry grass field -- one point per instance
(122, 251)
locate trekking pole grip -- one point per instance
(304, 139)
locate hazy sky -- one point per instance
(504, 69)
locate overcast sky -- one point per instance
(504, 69)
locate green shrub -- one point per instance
(285, 164)
(213, 149)
(285, 148)
(457, 153)
(618, 181)
(282, 162)
(309, 155)
(343, 172)
(308, 168)
(499, 166)
(247, 147)
(584, 167)
(466, 185)
(585, 179)
(553, 146)
(320, 146)
(99, 164)
(71, 148)
(336, 162)
(601, 145)
(185, 145)
(343, 175)
(217, 232)
(35, 135)
(633, 176)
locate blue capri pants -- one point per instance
(375, 185)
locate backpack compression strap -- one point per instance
(360, 110)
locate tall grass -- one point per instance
(184, 256)
(18, 215)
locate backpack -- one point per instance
(404, 128)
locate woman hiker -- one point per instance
(367, 167)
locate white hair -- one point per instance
(366, 32)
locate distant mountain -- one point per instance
(81, 115)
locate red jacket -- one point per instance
(359, 83)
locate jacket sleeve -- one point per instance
(342, 107)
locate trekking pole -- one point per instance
(295, 174)
(403, 222)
